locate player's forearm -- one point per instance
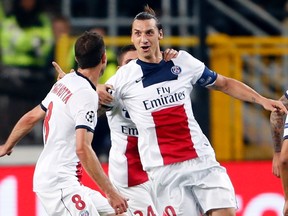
(236, 89)
(243, 92)
(284, 177)
(277, 127)
(284, 167)
(94, 169)
(21, 129)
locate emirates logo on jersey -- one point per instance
(90, 116)
(176, 70)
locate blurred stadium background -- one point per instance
(243, 39)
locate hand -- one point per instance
(168, 54)
(275, 106)
(118, 203)
(60, 72)
(5, 151)
(105, 97)
(275, 164)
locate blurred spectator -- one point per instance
(1, 12)
(26, 40)
(61, 26)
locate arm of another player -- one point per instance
(168, 54)
(22, 128)
(104, 96)
(241, 91)
(284, 173)
(93, 167)
(277, 121)
(59, 70)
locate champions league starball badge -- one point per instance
(90, 116)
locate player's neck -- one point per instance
(153, 58)
(91, 73)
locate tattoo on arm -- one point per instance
(277, 121)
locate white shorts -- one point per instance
(141, 201)
(76, 200)
(192, 187)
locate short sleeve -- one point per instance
(83, 107)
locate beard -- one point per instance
(102, 70)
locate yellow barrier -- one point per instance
(65, 43)
(227, 113)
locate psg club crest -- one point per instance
(84, 213)
(176, 70)
(90, 116)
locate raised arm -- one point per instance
(284, 173)
(22, 128)
(243, 92)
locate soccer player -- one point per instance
(277, 121)
(178, 157)
(280, 138)
(70, 117)
(125, 168)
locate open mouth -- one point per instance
(145, 48)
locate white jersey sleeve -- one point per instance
(83, 108)
(285, 133)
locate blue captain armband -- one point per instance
(286, 94)
(208, 77)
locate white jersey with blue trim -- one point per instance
(157, 98)
(285, 133)
(71, 103)
(125, 168)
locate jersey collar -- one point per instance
(92, 85)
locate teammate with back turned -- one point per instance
(70, 111)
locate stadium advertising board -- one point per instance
(259, 193)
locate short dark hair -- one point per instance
(147, 14)
(89, 49)
(124, 50)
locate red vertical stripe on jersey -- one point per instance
(136, 175)
(79, 172)
(173, 135)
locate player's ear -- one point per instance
(104, 58)
(161, 34)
